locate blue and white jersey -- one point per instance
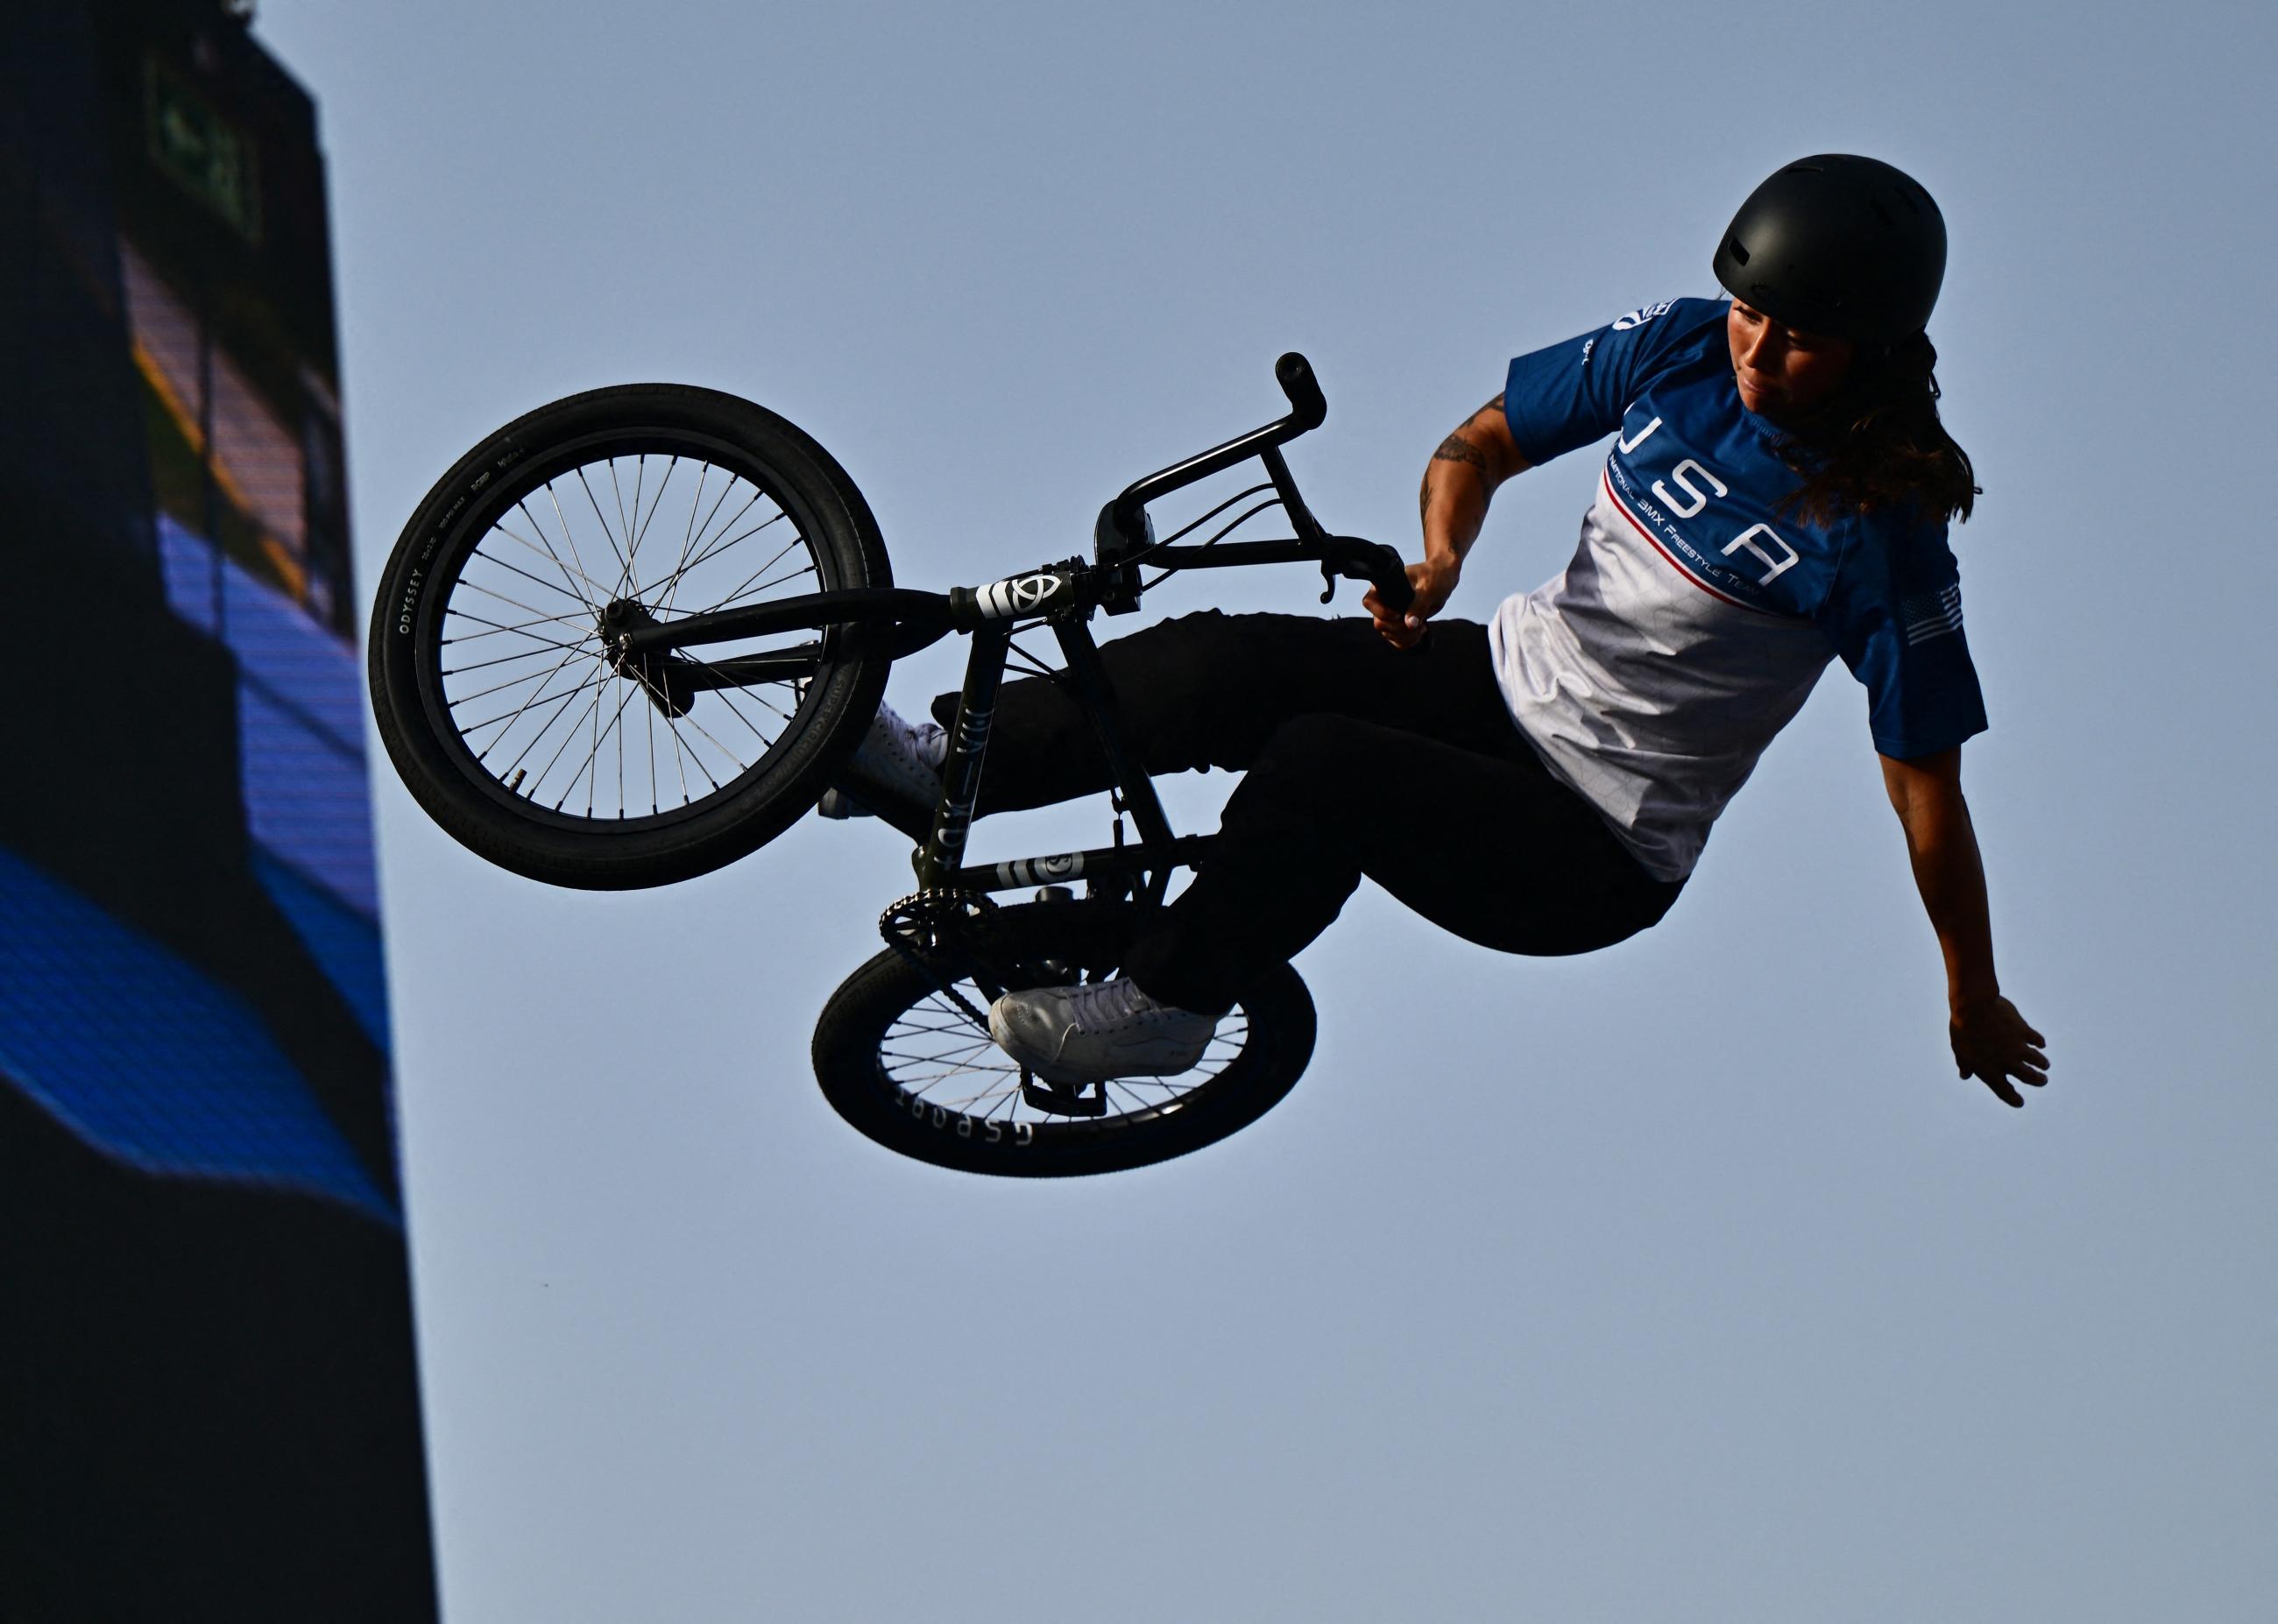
(1696, 617)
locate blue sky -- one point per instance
(1683, 1280)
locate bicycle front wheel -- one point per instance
(492, 674)
(903, 1053)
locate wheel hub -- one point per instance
(662, 677)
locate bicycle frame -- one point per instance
(1119, 869)
(1062, 595)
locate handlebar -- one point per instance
(1124, 538)
(1124, 532)
(1122, 525)
(1309, 407)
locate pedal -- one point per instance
(1060, 1098)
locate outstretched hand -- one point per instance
(1993, 1043)
(1432, 584)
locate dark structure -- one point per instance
(208, 1402)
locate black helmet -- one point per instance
(1845, 246)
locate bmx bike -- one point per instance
(580, 697)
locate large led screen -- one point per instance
(211, 1405)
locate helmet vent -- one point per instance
(1733, 247)
(1881, 213)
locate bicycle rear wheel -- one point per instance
(491, 680)
(903, 1054)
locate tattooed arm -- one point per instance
(1459, 481)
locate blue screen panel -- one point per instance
(150, 1060)
(344, 942)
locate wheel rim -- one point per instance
(518, 679)
(939, 1066)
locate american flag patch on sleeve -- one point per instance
(1931, 614)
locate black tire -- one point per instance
(885, 1030)
(493, 556)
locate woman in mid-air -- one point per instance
(1776, 496)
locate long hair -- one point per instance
(1879, 444)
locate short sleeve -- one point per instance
(1894, 616)
(1560, 399)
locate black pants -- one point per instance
(1361, 759)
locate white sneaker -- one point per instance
(1075, 1035)
(898, 760)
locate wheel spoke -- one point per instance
(908, 1026)
(763, 570)
(561, 706)
(673, 722)
(804, 569)
(728, 689)
(512, 681)
(571, 576)
(483, 664)
(963, 1059)
(546, 771)
(662, 486)
(537, 696)
(688, 532)
(476, 636)
(679, 766)
(688, 541)
(591, 771)
(569, 539)
(706, 547)
(492, 592)
(632, 546)
(578, 599)
(465, 615)
(652, 760)
(962, 1104)
(622, 569)
(672, 582)
(594, 752)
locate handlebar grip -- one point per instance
(1390, 579)
(1375, 563)
(1308, 404)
